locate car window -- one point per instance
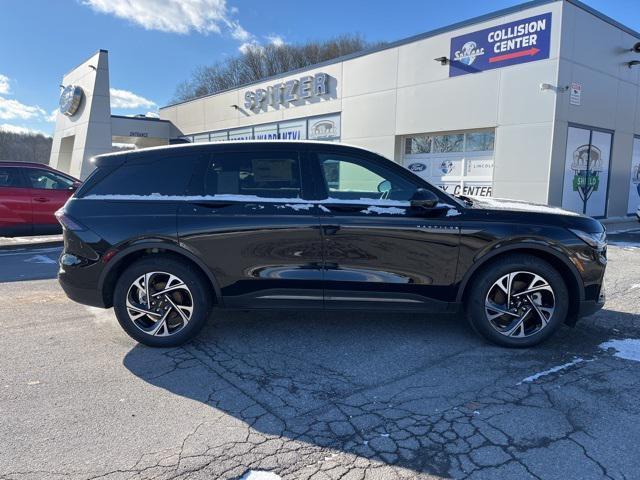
(164, 176)
(10, 177)
(47, 180)
(265, 175)
(354, 178)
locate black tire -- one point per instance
(193, 279)
(484, 281)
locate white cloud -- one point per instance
(126, 99)
(249, 46)
(11, 109)
(276, 40)
(152, 114)
(175, 16)
(238, 32)
(4, 85)
(7, 127)
(52, 116)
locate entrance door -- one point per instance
(250, 222)
(377, 253)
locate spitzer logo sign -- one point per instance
(522, 41)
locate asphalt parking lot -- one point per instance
(312, 395)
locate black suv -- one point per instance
(166, 234)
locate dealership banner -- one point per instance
(522, 41)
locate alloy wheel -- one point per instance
(520, 304)
(159, 303)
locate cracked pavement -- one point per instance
(312, 395)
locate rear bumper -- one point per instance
(86, 296)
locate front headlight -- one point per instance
(594, 240)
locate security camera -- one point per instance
(636, 47)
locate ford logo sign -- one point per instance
(417, 167)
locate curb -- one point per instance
(26, 245)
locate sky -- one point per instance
(155, 44)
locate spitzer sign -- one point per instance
(522, 41)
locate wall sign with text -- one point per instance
(522, 41)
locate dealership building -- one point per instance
(537, 102)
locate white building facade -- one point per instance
(538, 102)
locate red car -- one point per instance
(30, 193)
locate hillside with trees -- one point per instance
(258, 62)
(24, 147)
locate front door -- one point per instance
(252, 225)
(379, 252)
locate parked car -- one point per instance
(30, 194)
(165, 234)
(638, 213)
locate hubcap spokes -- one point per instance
(159, 304)
(519, 304)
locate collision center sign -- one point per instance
(523, 41)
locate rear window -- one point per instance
(265, 175)
(10, 177)
(163, 176)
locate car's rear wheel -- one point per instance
(161, 302)
(517, 301)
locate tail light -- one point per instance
(69, 223)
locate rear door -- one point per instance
(16, 217)
(378, 252)
(254, 227)
(49, 191)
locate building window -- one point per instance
(326, 128)
(203, 137)
(586, 172)
(457, 162)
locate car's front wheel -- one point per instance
(517, 301)
(161, 302)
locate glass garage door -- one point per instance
(458, 163)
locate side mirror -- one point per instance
(423, 198)
(384, 186)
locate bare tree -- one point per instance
(258, 62)
(24, 147)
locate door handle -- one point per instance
(344, 207)
(41, 200)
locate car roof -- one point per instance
(12, 163)
(164, 149)
(6, 163)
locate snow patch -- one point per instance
(299, 206)
(260, 475)
(40, 259)
(627, 348)
(628, 246)
(544, 373)
(387, 210)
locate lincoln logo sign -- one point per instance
(525, 40)
(284, 93)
